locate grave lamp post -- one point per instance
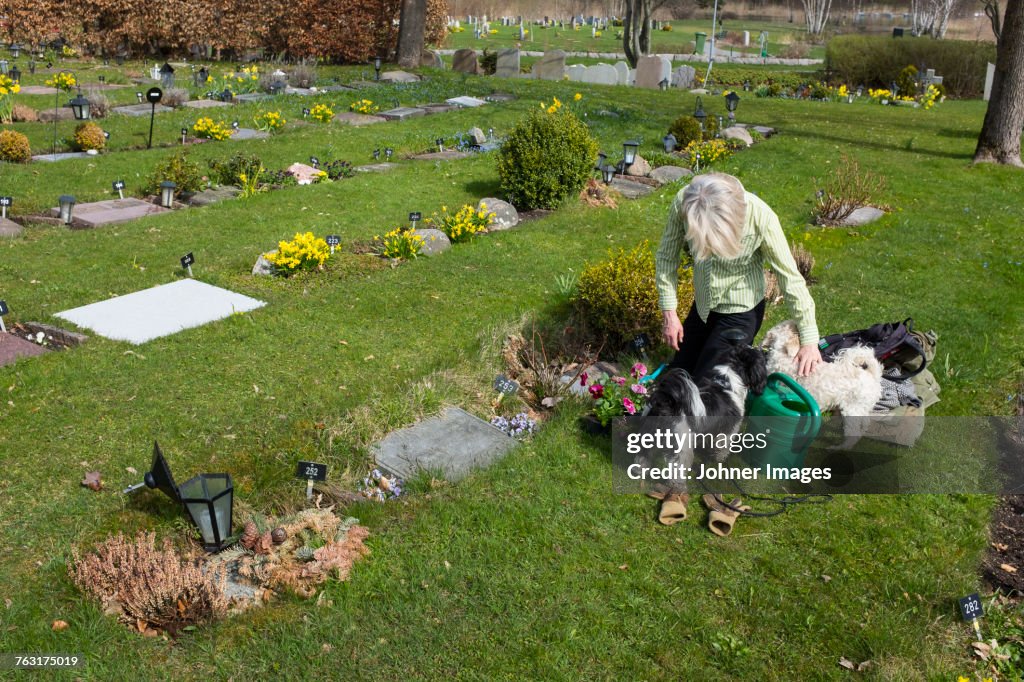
(226, 95)
(201, 76)
(732, 100)
(119, 59)
(66, 202)
(629, 149)
(32, 66)
(663, 84)
(376, 67)
(80, 107)
(608, 173)
(746, 85)
(699, 113)
(138, 96)
(3, 66)
(15, 74)
(167, 193)
(601, 158)
(15, 50)
(209, 499)
(167, 75)
(670, 143)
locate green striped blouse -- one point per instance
(736, 285)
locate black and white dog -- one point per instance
(712, 405)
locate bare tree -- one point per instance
(999, 141)
(816, 13)
(636, 29)
(411, 29)
(931, 17)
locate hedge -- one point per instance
(875, 61)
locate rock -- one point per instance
(212, 196)
(652, 70)
(465, 61)
(434, 241)
(505, 214)
(9, 228)
(629, 189)
(399, 77)
(431, 59)
(550, 67)
(478, 136)
(669, 174)
(765, 130)
(263, 266)
(303, 174)
(62, 114)
(737, 133)
(640, 168)
(863, 216)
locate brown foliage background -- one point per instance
(331, 30)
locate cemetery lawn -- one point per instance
(532, 569)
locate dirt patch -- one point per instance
(47, 336)
(1003, 566)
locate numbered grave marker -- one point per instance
(5, 203)
(103, 79)
(3, 311)
(106, 134)
(971, 610)
(314, 162)
(388, 151)
(504, 385)
(305, 112)
(184, 134)
(640, 343)
(332, 241)
(440, 144)
(234, 124)
(186, 262)
(376, 154)
(311, 471)
(138, 96)
(119, 188)
(414, 218)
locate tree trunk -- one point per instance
(999, 141)
(411, 28)
(630, 37)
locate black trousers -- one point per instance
(703, 344)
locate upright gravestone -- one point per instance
(431, 59)
(507, 65)
(601, 74)
(652, 70)
(550, 67)
(576, 71)
(464, 61)
(746, 39)
(683, 76)
(990, 74)
(622, 71)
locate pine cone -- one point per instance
(263, 544)
(250, 535)
(278, 535)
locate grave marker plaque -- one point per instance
(186, 262)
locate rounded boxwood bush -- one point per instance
(88, 136)
(14, 147)
(686, 129)
(546, 159)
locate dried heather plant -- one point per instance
(804, 261)
(846, 190)
(152, 586)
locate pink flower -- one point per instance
(628, 404)
(639, 370)
(596, 391)
(638, 389)
(620, 381)
(583, 379)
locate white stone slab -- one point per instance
(990, 75)
(466, 101)
(161, 311)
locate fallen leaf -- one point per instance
(343, 342)
(847, 663)
(327, 647)
(93, 481)
(8, 603)
(368, 358)
(999, 547)
(550, 402)
(1008, 568)
(624, 567)
(863, 665)
(131, 470)
(981, 650)
(826, 578)
(59, 625)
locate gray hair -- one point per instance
(715, 212)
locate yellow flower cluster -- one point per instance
(552, 108)
(464, 223)
(8, 86)
(884, 94)
(68, 51)
(400, 243)
(364, 106)
(62, 81)
(270, 121)
(709, 151)
(843, 91)
(930, 97)
(493, 31)
(304, 252)
(321, 113)
(248, 73)
(209, 129)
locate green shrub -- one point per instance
(875, 61)
(179, 169)
(14, 147)
(546, 159)
(659, 159)
(88, 136)
(686, 129)
(618, 295)
(488, 62)
(907, 81)
(710, 126)
(228, 172)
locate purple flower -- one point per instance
(583, 379)
(638, 389)
(639, 370)
(620, 381)
(628, 404)
(596, 391)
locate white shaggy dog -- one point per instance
(851, 383)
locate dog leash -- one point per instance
(784, 502)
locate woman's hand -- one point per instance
(807, 359)
(671, 329)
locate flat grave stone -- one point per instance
(668, 174)
(160, 311)
(355, 119)
(59, 114)
(399, 77)
(242, 134)
(38, 90)
(466, 101)
(436, 108)
(63, 156)
(301, 92)
(359, 85)
(205, 104)
(862, 216)
(111, 211)
(382, 167)
(402, 113)
(103, 86)
(499, 97)
(13, 347)
(629, 189)
(9, 228)
(454, 442)
(140, 109)
(213, 195)
(446, 155)
(765, 130)
(251, 97)
(333, 88)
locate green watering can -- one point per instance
(794, 424)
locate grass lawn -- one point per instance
(532, 569)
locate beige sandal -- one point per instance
(673, 508)
(722, 519)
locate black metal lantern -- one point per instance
(226, 96)
(699, 113)
(167, 75)
(15, 74)
(158, 477)
(209, 499)
(199, 77)
(601, 158)
(663, 84)
(119, 59)
(80, 107)
(15, 50)
(138, 96)
(167, 193)
(376, 66)
(670, 142)
(388, 151)
(746, 85)
(629, 148)
(732, 100)
(66, 202)
(608, 173)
